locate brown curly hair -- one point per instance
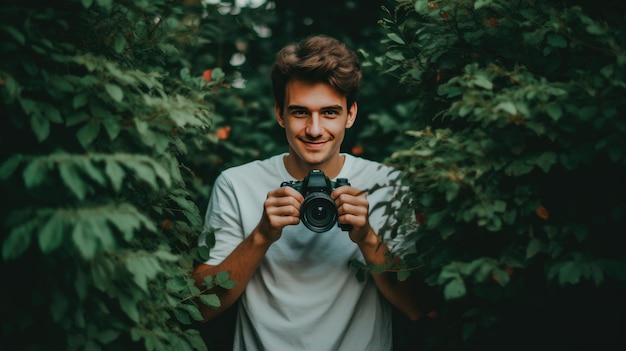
(318, 58)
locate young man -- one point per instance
(296, 288)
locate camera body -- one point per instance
(318, 211)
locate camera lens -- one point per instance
(318, 212)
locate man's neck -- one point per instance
(299, 169)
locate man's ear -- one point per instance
(279, 117)
(351, 115)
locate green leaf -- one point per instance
(116, 175)
(534, 247)
(127, 219)
(17, 35)
(482, 81)
(210, 300)
(182, 316)
(107, 336)
(112, 127)
(396, 38)
(52, 113)
(196, 340)
(176, 284)
(101, 271)
(395, 55)
(79, 100)
(40, 126)
(17, 242)
(165, 176)
(557, 40)
(193, 311)
(454, 289)
(217, 74)
(105, 3)
(144, 172)
(12, 86)
(71, 178)
(554, 111)
(546, 160)
(51, 234)
(129, 306)
(93, 172)
(114, 91)
(35, 173)
(88, 133)
(165, 256)
(119, 43)
(594, 28)
(86, 243)
(143, 269)
(95, 225)
(76, 118)
(507, 106)
(8, 167)
(403, 275)
(569, 273)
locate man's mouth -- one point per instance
(314, 144)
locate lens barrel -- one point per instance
(318, 212)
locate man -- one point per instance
(296, 288)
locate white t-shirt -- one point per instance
(304, 295)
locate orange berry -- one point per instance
(358, 150)
(206, 75)
(223, 133)
(166, 224)
(432, 314)
(420, 218)
(542, 213)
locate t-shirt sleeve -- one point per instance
(222, 221)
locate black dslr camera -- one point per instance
(318, 211)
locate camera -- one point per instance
(318, 211)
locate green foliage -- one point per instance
(99, 227)
(516, 167)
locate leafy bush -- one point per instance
(517, 167)
(99, 109)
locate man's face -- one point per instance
(315, 118)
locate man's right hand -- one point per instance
(281, 208)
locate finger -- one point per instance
(358, 209)
(286, 191)
(353, 220)
(347, 190)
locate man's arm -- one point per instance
(353, 209)
(241, 263)
(400, 294)
(281, 208)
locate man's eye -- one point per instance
(300, 113)
(331, 113)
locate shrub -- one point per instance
(516, 169)
(99, 109)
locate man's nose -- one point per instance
(314, 127)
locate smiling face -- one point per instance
(315, 118)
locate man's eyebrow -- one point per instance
(331, 107)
